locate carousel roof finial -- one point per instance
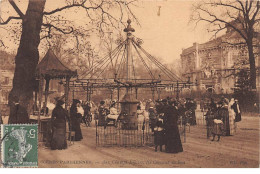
(129, 29)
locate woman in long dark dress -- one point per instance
(58, 119)
(75, 120)
(172, 136)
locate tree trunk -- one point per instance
(26, 61)
(252, 64)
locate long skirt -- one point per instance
(231, 122)
(172, 139)
(76, 127)
(58, 140)
(223, 113)
(217, 127)
(141, 121)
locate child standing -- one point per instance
(159, 135)
(218, 128)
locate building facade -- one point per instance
(212, 65)
(6, 75)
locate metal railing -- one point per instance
(114, 135)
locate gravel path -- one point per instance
(241, 150)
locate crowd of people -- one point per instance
(164, 117)
(186, 110)
(222, 117)
(164, 124)
(79, 112)
(58, 123)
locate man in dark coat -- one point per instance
(76, 120)
(172, 136)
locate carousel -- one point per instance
(117, 72)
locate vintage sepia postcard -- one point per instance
(129, 83)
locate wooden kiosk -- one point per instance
(50, 68)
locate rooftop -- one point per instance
(51, 66)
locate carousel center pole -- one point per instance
(129, 58)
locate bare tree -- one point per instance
(36, 21)
(242, 16)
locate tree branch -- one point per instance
(74, 4)
(9, 19)
(58, 29)
(257, 10)
(18, 11)
(250, 6)
(224, 5)
(2, 44)
(216, 19)
(241, 4)
(234, 44)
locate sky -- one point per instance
(164, 34)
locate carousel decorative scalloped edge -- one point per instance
(21, 146)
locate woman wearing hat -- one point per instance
(58, 119)
(76, 119)
(103, 112)
(172, 136)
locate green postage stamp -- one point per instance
(19, 145)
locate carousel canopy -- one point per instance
(52, 67)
